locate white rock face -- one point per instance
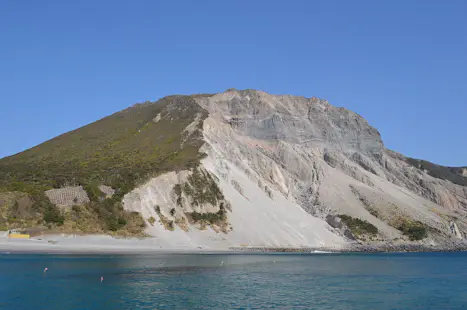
(255, 218)
(455, 230)
(286, 163)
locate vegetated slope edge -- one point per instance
(119, 151)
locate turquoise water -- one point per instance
(316, 281)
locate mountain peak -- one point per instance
(245, 166)
(298, 119)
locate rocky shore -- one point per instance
(360, 248)
(413, 247)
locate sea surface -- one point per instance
(252, 281)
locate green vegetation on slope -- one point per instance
(209, 218)
(117, 150)
(452, 174)
(151, 220)
(168, 224)
(120, 150)
(202, 188)
(93, 192)
(414, 230)
(19, 210)
(359, 227)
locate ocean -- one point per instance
(238, 281)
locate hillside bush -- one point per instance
(357, 226)
(414, 230)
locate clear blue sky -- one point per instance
(400, 64)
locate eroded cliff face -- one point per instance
(184, 199)
(293, 171)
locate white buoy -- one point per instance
(102, 279)
(45, 269)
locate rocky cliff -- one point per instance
(285, 171)
(277, 156)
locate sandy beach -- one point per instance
(105, 244)
(91, 244)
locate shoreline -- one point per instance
(365, 249)
(167, 251)
(105, 244)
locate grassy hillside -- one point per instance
(120, 151)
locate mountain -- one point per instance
(237, 168)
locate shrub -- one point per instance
(50, 213)
(151, 220)
(3, 225)
(170, 225)
(53, 215)
(112, 224)
(29, 188)
(202, 188)
(177, 189)
(414, 230)
(122, 221)
(211, 218)
(358, 226)
(94, 193)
